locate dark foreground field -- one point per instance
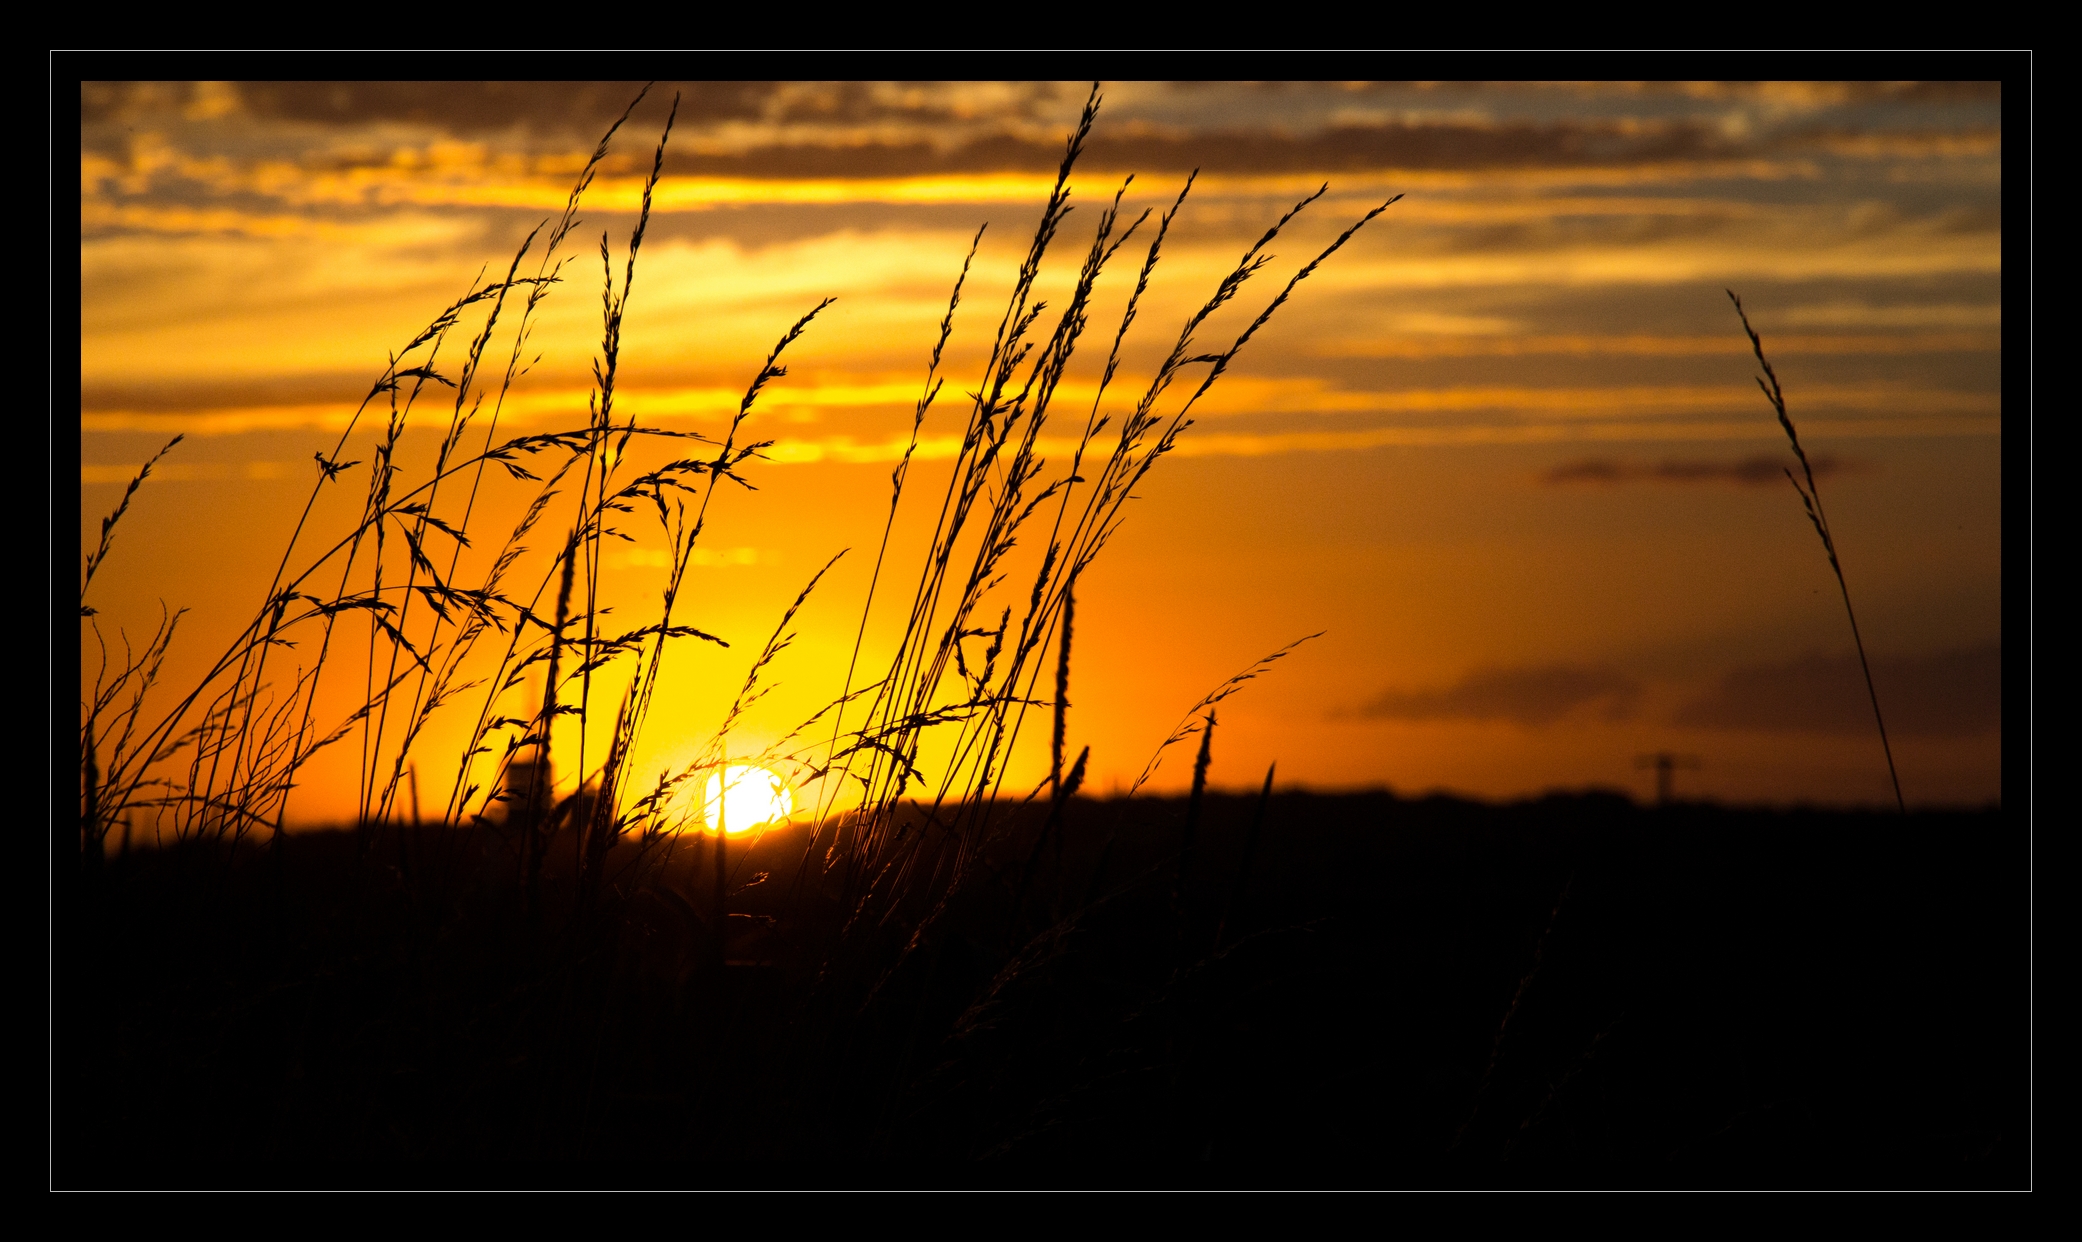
(1569, 992)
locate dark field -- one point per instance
(1569, 992)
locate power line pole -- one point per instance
(1666, 764)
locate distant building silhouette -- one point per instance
(529, 798)
(525, 792)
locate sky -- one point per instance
(1503, 452)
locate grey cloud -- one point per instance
(579, 108)
(1343, 149)
(1761, 470)
(175, 396)
(585, 107)
(929, 129)
(990, 142)
(854, 103)
(1526, 696)
(1955, 693)
(1851, 92)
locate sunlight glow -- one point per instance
(754, 798)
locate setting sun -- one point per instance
(754, 798)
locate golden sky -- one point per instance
(1503, 450)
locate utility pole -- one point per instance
(1666, 765)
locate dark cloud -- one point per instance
(1344, 149)
(584, 108)
(1438, 145)
(1970, 220)
(1951, 694)
(1852, 92)
(1928, 92)
(179, 396)
(468, 107)
(461, 107)
(1526, 696)
(1268, 143)
(856, 103)
(955, 133)
(1762, 470)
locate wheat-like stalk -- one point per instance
(1818, 517)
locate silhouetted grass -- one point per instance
(413, 608)
(1811, 500)
(1694, 1013)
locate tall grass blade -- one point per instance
(1811, 500)
(1185, 842)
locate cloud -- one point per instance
(906, 130)
(1338, 149)
(1757, 470)
(195, 472)
(495, 105)
(893, 130)
(1524, 696)
(1955, 693)
(1913, 144)
(863, 130)
(590, 106)
(1911, 315)
(1419, 339)
(457, 106)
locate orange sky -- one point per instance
(1503, 449)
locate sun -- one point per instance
(745, 797)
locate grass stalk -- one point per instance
(1818, 517)
(1062, 690)
(1185, 840)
